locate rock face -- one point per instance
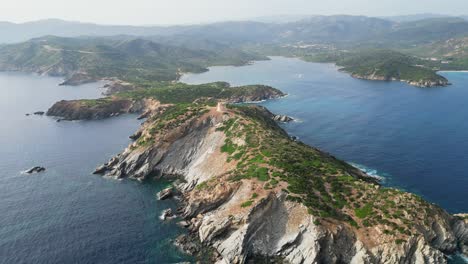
(36, 169)
(98, 109)
(78, 78)
(249, 219)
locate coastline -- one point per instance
(273, 200)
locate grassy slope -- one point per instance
(185, 93)
(330, 188)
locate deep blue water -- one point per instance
(67, 215)
(416, 138)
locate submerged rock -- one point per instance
(36, 169)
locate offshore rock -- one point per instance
(36, 169)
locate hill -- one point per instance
(429, 30)
(321, 29)
(88, 59)
(387, 65)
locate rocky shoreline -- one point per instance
(442, 82)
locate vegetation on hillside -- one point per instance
(127, 59)
(388, 65)
(185, 93)
(331, 189)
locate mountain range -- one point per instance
(339, 28)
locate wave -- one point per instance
(463, 257)
(381, 176)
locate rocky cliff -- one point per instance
(100, 108)
(251, 193)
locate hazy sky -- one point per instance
(194, 11)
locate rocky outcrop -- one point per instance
(261, 93)
(115, 86)
(283, 118)
(167, 214)
(249, 219)
(165, 194)
(36, 169)
(429, 83)
(78, 78)
(99, 109)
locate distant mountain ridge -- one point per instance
(12, 32)
(416, 17)
(337, 28)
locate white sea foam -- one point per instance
(162, 216)
(369, 171)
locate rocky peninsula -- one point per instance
(252, 193)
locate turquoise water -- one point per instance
(414, 138)
(67, 215)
